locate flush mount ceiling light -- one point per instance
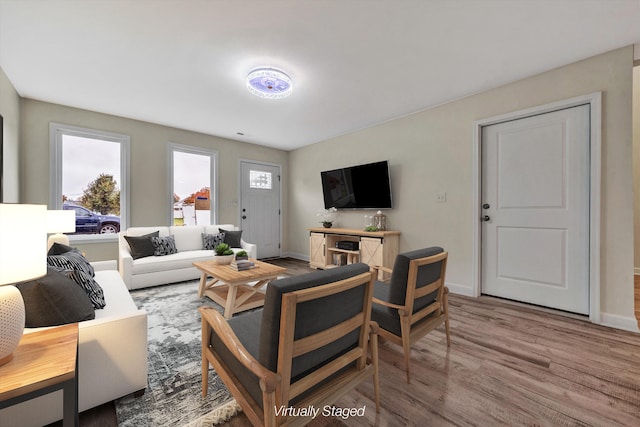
(270, 83)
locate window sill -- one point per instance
(81, 239)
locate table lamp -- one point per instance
(23, 256)
(59, 222)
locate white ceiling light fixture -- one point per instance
(269, 82)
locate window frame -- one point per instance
(213, 176)
(56, 133)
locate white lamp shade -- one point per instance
(23, 242)
(61, 221)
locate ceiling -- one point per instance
(354, 63)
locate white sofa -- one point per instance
(112, 356)
(160, 270)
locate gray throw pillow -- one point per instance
(164, 245)
(210, 241)
(54, 300)
(232, 237)
(141, 246)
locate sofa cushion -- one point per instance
(312, 316)
(164, 245)
(54, 300)
(188, 238)
(210, 241)
(117, 295)
(175, 261)
(141, 246)
(232, 237)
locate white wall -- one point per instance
(10, 111)
(149, 193)
(431, 151)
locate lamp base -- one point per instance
(12, 316)
(57, 238)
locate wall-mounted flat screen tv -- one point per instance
(357, 187)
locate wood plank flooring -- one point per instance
(508, 364)
(636, 287)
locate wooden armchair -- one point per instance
(306, 348)
(414, 302)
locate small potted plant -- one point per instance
(327, 216)
(240, 255)
(224, 254)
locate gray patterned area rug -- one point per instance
(173, 396)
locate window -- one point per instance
(260, 179)
(89, 175)
(193, 185)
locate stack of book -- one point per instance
(242, 264)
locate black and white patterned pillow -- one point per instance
(210, 241)
(71, 260)
(90, 286)
(76, 267)
(164, 245)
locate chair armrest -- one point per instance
(378, 268)
(211, 319)
(387, 304)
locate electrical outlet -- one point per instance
(441, 197)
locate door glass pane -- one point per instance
(260, 179)
(192, 188)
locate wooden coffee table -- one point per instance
(233, 289)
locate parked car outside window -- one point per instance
(89, 222)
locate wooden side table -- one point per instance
(45, 361)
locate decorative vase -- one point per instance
(327, 224)
(12, 316)
(223, 259)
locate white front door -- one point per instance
(260, 207)
(535, 209)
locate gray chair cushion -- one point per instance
(247, 327)
(426, 275)
(312, 317)
(387, 319)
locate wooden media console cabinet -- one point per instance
(374, 247)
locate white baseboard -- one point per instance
(636, 270)
(619, 322)
(460, 289)
(301, 257)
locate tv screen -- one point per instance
(357, 187)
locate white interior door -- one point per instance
(535, 209)
(260, 207)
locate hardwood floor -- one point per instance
(636, 288)
(508, 364)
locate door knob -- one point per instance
(486, 206)
(486, 218)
